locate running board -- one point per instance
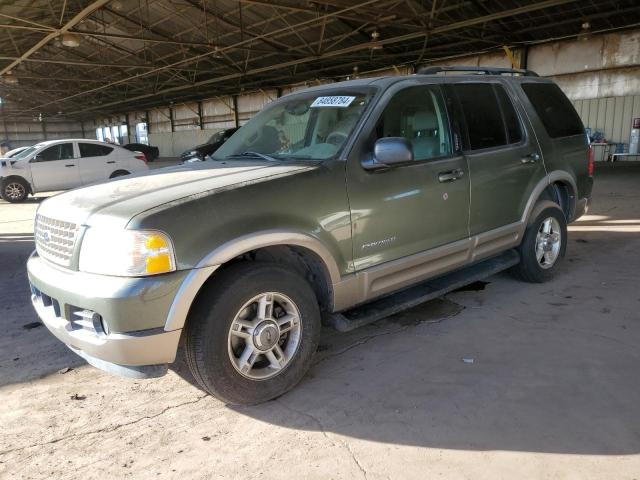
(423, 292)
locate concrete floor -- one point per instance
(552, 392)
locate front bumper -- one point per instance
(88, 312)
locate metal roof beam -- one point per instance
(85, 12)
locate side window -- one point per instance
(511, 120)
(417, 114)
(62, 151)
(482, 115)
(554, 109)
(94, 150)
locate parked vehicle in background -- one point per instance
(64, 164)
(149, 151)
(200, 152)
(333, 203)
(14, 152)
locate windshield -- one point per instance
(311, 126)
(26, 152)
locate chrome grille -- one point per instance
(55, 239)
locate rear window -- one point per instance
(94, 150)
(482, 115)
(554, 109)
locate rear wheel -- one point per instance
(14, 190)
(253, 332)
(543, 246)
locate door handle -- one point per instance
(531, 158)
(111, 161)
(450, 176)
(70, 165)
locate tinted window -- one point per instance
(482, 115)
(62, 151)
(94, 150)
(511, 120)
(417, 114)
(554, 109)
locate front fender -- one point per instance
(211, 262)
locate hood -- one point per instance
(115, 202)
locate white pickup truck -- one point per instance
(64, 164)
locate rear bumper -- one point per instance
(75, 317)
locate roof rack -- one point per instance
(483, 70)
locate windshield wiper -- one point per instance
(253, 155)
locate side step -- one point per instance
(428, 290)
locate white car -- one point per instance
(64, 164)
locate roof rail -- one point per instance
(483, 70)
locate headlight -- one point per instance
(126, 253)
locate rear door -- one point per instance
(561, 132)
(55, 168)
(503, 156)
(97, 162)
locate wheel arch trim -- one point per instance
(552, 177)
(197, 277)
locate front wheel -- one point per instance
(543, 246)
(253, 332)
(14, 190)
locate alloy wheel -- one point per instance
(548, 242)
(264, 336)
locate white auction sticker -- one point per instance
(333, 101)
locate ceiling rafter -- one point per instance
(151, 52)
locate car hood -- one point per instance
(114, 203)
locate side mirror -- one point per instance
(388, 152)
(36, 158)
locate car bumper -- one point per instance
(82, 309)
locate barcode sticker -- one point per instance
(333, 101)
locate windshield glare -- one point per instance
(26, 153)
(312, 127)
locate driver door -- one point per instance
(55, 168)
(410, 221)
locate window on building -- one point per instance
(141, 133)
(115, 134)
(99, 134)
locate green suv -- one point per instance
(340, 203)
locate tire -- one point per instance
(119, 173)
(232, 298)
(536, 241)
(14, 190)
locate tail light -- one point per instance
(590, 165)
(141, 156)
